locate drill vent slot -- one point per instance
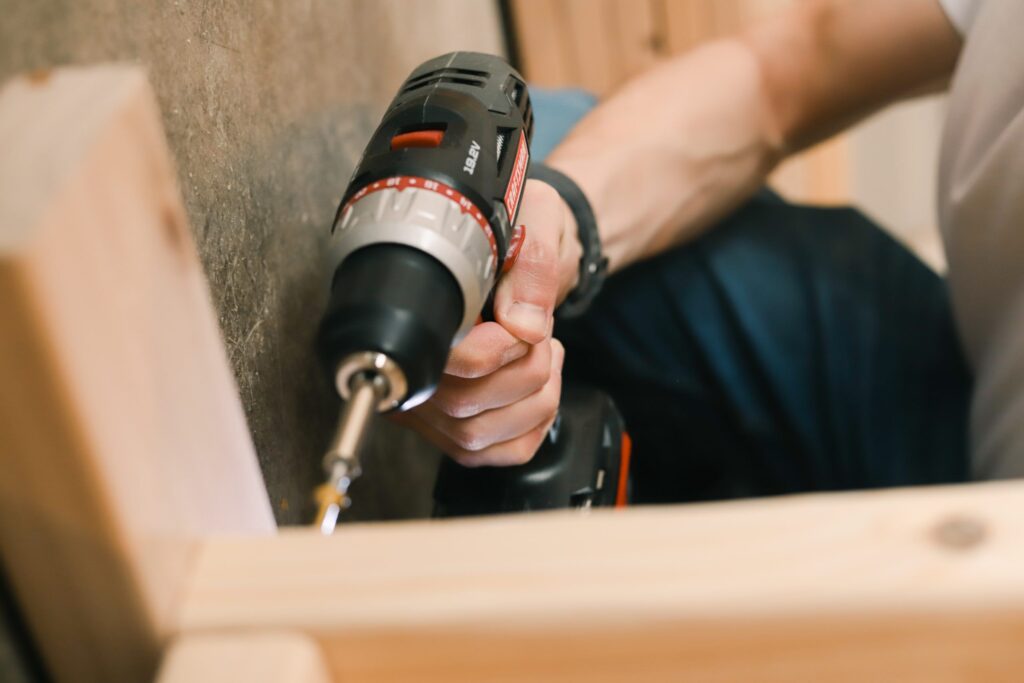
(502, 135)
(470, 77)
(472, 72)
(515, 89)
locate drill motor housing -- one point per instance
(426, 222)
(481, 107)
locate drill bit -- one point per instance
(341, 463)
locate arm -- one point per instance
(664, 158)
(683, 144)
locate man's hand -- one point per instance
(501, 387)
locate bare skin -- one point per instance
(500, 391)
(667, 156)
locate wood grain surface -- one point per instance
(903, 585)
(246, 657)
(122, 439)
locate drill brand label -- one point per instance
(518, 177)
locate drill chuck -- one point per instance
(398, 303)
(389, 378)
(426, 220)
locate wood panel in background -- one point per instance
(599, 44)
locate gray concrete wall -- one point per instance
(267, 105)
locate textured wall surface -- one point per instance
(267, 105)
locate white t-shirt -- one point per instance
(981, 214)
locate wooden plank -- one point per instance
(122, 439)
(592, 36)
(249, 657)
(545, 47)
(591, 44)
(637, 38)
(910, 585)
(689, 22)
(820, 175)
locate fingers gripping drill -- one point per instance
(417, 246)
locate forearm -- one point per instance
(673, 150)
(683, 144)
(829, 63)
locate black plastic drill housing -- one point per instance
(482, 104)
(399, 300)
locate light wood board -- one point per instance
(122, 439)
(906, 585)
(246, 657)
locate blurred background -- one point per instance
(267, 105)
(886, 166)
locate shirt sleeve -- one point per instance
(961, 13)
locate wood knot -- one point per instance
(959, 532)
(39, 76)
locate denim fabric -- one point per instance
(555, 112)
(789, 349)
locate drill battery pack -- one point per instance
(583, 463)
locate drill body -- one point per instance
(426, 221)
(418, 243)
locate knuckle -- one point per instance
(467, 438)
(557, 348)
(524, 453)
(463, 409)
(549, 404)
(551, 397)
(537, 373)
(538, 256)
(575, 249)
(465, 459)
(453, 405)
(473, 362)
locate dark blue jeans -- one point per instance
(789, 349)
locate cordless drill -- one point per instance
(424, 231)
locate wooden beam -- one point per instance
(908, 585)
(546, 46)
(249, 657)
(591, 44)
(122, 439)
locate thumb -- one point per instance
(525, 298)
